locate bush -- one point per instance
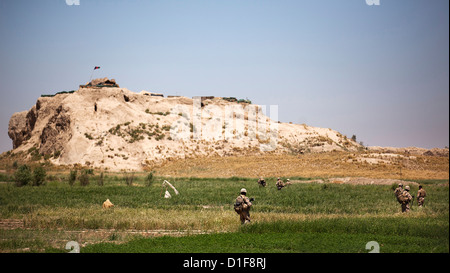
(88, 136)
(56, 154)
(72, 177)
(149, 179)
(84, 178)
(129, 179)
(39, 176)
(100, 179)
(23, 176)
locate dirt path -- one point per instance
(358, 181)
(58, 238)
(11, 223)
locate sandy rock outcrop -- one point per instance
(21, 125)
(115, 128)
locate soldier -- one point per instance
(279, 184)
(242, 206)
(421, 196)
(398, 191)
(406, 198)
(288, 182)
(262, 182)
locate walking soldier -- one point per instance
(406, 198)
(421, 194)
(398, 191)
(242, 206)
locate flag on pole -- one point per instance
(95, 68)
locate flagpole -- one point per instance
(91, 75)
(95, 68)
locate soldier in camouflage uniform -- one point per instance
(398, 191)
(421, 194)
(279, 184)
(242, 206)
(262, 182)
(406, 198)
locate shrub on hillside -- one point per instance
(72, 177)
(84, 178)
(128, 178)
(149, 179)
(39, 176)
(100, 179)
(23, 175)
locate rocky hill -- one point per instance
(117, 129)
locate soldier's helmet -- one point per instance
(407, 188)
(243, 190)
(400, 184)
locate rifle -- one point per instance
(251, 200)
(237, 204)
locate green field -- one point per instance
(311, 218)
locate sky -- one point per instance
(379, 72)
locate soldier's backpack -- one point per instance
(398, 192)
(403, 198)
(238, 205)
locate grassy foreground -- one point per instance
(300, 218)
(339, 235)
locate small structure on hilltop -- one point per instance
(99, 83)
(147, 93)
(230, 99)
(202, 98)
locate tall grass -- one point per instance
(215, 195)
(321, 235)
(207, 204)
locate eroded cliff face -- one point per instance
(21, 126)
(115, 128)
(56, 133)
(17, 130)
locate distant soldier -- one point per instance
(421, 194)
(262, 182)
(406, 198)
(398, 191)
(280, 184)
(242, 206)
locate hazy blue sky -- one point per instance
(379, 72)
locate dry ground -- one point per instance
(325, 165)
